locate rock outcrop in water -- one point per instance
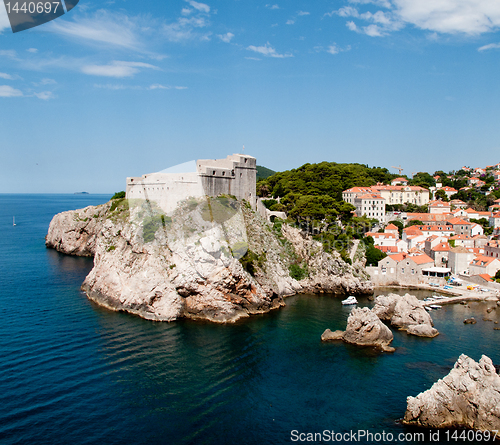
(405, 313)
(212, 259)
(469, 396)
(364, 328)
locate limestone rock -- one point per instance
(210, 260)
(405, 313)
(76, 233)
(469, 396)
(364, 328)
(328, 273)
(422, 330)
(329, 335)
(470, 320)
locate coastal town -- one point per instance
(453, 237)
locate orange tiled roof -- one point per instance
(443, 247)
(398, 257)
(460, 237)
(370, 196)
(439, 203)
(480, 259)
(422, 259)
(387, 249)
(456, 221)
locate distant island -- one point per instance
(81, 193)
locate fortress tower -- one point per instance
(235, 175)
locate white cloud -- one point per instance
(8, 53)
(226, 37)
(383, 22)
(32, 50)
(4, 19)
(472, 17)
(382, 3)
(373, 31)
(184, 29)
(115, 87)
(102, 28)
(346, 11)
(290, 22)
(186, 11)
(6, 76)
(300, 13)
(202, 7)
(352, 26)
(451, 16)
(272, 6)
(8, 91)
(335, 49)
(47, 81)
(158, 86)
(268, 51)
(116, 69)
(45, 95)
(489, 46)
(252, 58)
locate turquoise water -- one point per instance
(72, 372)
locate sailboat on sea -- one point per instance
(13, 220)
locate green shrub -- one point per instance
(118, 195)
(251, 260)
(152, 224)
(298, 272)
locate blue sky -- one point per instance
(122, 88)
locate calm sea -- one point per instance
(72, 372)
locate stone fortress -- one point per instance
(235, 175)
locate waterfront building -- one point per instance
(484, 265)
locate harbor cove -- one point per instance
(76, 372)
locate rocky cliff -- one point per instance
(212, 259)
(469, 396)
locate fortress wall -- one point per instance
(235, 175)
(215, 186)
(166, 189)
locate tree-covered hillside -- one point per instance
(315, 190)
(325, 178)
(263, 172)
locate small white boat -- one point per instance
(435, 306)
(350, 300)
(13, 220)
